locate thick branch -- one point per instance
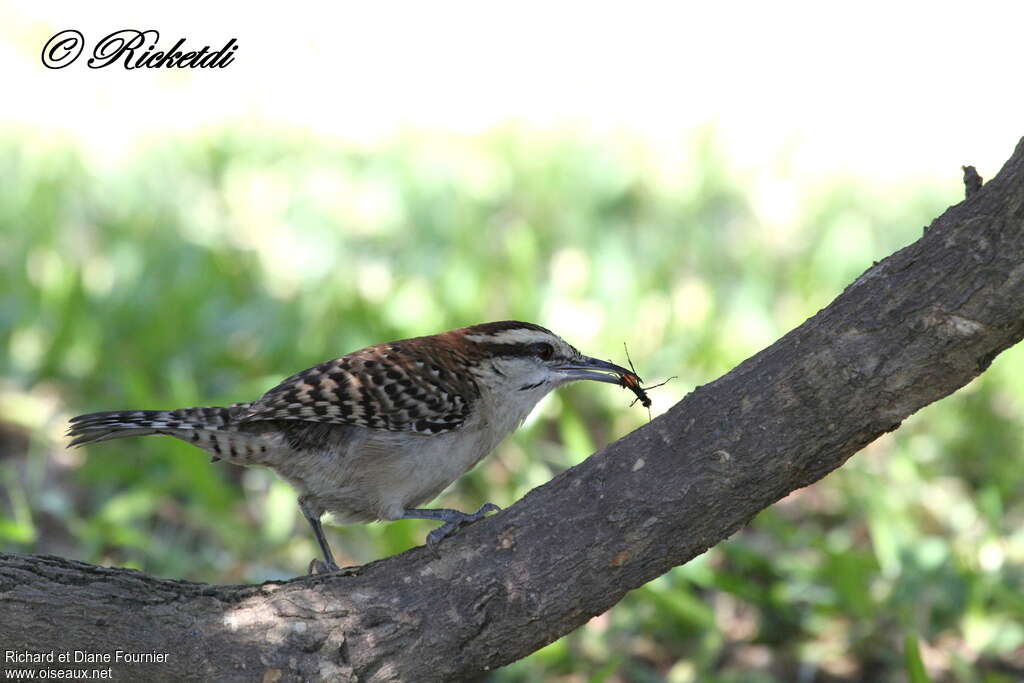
(912, 329)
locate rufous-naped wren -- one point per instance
(376, 433)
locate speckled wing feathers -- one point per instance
(406, 386)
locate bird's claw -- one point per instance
(318, 566)
(451, 526)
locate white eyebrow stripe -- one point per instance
(520, 336)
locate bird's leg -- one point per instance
(313, 517)
(453, 519)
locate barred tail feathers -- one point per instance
(199, 426)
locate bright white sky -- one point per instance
(887, 90)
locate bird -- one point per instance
(376, 433)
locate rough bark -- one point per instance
(910, 330)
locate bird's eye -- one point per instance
(544, 350)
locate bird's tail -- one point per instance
(188, 424)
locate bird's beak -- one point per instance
(592, 368)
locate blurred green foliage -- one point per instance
(204, 269)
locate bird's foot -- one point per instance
(318, 567)
(455, 520)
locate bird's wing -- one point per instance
(393, 387)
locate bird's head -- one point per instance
(528, 360)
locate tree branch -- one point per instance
(910, 330)
(972, 181)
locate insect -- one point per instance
(632, 382)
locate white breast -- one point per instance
(376, 474)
